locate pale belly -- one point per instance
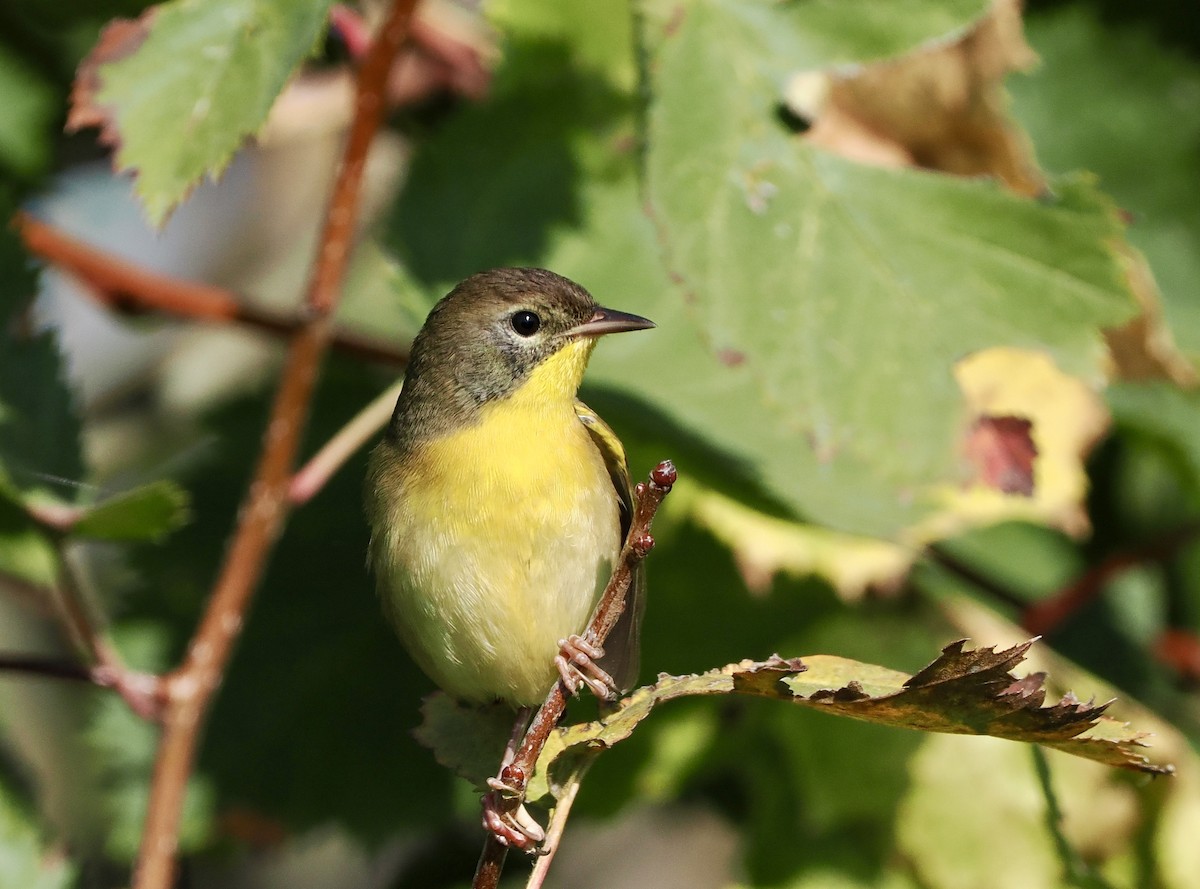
(483, 586)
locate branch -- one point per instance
(190, 688)
(51, 668)
(1045, 616)
(143, 692)
(638, 543)
(126, 286)
(335, 452)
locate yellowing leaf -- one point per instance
(1066, 419)
(764, 546)
(966, 692)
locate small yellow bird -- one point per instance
(498, 502)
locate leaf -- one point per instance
(24, 859)
(940, 107)
(823, 33)
(25, 550)
(39, 432)
(150, 512)
(1117, 85)
(832, 283)
(1066, 418)
(1166, 412)
(201, 82)
(27, 112)
(765, 546)
(466, 739)
(962, 692)
(997, 837)
(1002, 450)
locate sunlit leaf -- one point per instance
(202, 81)
(964, 691)
(146, 513)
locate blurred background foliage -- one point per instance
(744, 175)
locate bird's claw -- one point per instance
(513, 827)
(576, 664)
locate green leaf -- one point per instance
(39, 432)
(1167, 413)
(1133, 107)
(27, 109)
(150, 512)
(834, 299)
(25, 550)
(203, 80)
(24, 859)
(823, 33)
(469, 740)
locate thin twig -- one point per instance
(329, 459)
(647, 498)
(555, 830)
(51, 668)
(940, 556)
(1045, 616)
(126, 286)
(1075, 869)
(1040, 618)
(191, 687)
(128, 683)
(141, 691)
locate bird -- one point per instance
(498, 502)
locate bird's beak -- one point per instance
(610, 321)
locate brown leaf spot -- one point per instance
(790, 665)
(731, 357)
(119, 39)
(853, 691)
(1002, 452)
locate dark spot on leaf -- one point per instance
(852, 692)
(1002, 452)
(731, 357)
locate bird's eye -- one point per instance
(526, 323)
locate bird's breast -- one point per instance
(500, 538)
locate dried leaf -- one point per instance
(120, 38)
(1144, 348)
(968, 692)
(942, 106)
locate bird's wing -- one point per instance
(621, 658)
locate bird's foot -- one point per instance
(576, 664)
(512, 826)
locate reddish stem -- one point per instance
(1046, 616)
(190, 687)
(126, 286)
(516, 775)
